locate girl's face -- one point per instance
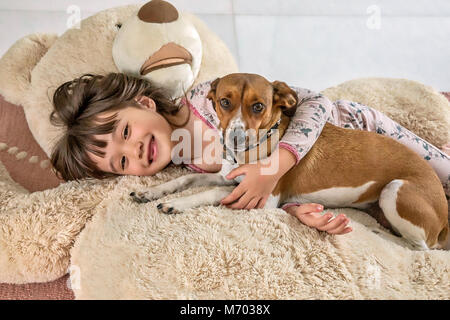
(140, 144)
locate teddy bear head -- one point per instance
(159, 44)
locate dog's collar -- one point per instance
(265, 137)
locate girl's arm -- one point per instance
(312, 113)
(305, 127)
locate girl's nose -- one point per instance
(135, 150)
(140, 150)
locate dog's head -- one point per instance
(250, 103)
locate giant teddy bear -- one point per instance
(114, 248)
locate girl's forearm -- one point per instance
(287, 161)
(283, 159)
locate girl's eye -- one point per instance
(258, 107)
(125, 132)
(225, 103)
(122, 163)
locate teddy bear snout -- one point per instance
(170, 54)
(158, 11)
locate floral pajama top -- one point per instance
(313, 111)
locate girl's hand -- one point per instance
(254, 189)
(309, 214)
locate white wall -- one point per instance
(309, 43)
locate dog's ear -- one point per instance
(212, 92)
(284, 98)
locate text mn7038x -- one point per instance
(232, 309)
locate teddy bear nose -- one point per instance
(158, 11)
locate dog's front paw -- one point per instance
(141, 197)
(168, 208)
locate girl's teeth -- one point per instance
(152, 142)
(150, 156)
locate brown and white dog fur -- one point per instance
(344, 168)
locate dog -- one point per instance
(344, 168)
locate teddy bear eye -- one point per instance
(225, 103)
(258, 107)
(118, 25)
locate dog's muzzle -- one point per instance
(236, 139)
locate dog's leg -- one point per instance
(399, 199)
(272, 202)
(210, 197)
(377, 213)
(180, 184)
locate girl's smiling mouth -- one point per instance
(152, 150)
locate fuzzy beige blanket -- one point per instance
(130, 251)
(114, 248)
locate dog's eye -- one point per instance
(225, 103)
(258, 107)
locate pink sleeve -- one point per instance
(201, 105)
(312, 112)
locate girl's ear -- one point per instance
(146, 102)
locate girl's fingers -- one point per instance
(262, 202)
(252, 204)
(308, 215)
(314, 221)
(343, 229)
(236, 172)
(308, 208)
(241, 203)
(335, 223)
(234, 195)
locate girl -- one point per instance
(120, 125)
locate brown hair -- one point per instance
(78, 103)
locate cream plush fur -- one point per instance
(115, 248)
(130, 251)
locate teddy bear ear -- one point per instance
(158, 11)
(17, 64)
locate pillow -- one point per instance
(55, 290)
(23, 158)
